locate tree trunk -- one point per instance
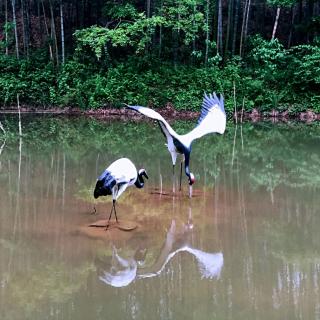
(310, 7)
(207, 34)
(229, 26)
(13, 2)
(148, 8)
(275, 23)
(219, 31)
(194, 38)
(25, 28)
(6, 25)
(246, 24)
(235, 26)
(244, 16)
(62, 33)
(160, 31)
(176, 34)
(47, 30)
(292, 26)
(53, 33)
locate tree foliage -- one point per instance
(160, 52)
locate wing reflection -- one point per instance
(124, 271)
(121, 273)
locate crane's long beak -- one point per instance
(190, 191)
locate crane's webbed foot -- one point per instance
(94, 210)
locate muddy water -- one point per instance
(246, 246)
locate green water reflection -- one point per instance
(246, 246)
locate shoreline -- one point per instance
(169, 113)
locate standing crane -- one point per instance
(121, 174)
(212, 119)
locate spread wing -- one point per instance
(211, 120)
(164, 125)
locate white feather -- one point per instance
(124, 171)
(214, 121)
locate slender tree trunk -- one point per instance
(275, 23)
(176, 34)
(246, 24)
(310, 7)
(28, 26)
(175, 47)
(19, 113)
(244, 15)
(207, 33)
(235, 26)
(13, 2)
(53, 33)
(219, 31)
(25, 28)
(194, 38)
(292, 26)
(39, 18)
(2, 128)
(47, 30)
(148, 8)
(62, 33)
(229, 26)
(6, 25)
(160, 30)
(299, 35)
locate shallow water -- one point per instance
(246, 246)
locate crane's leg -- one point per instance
(115, 212)
(173, 180)
(190, 191)
(180, 176)
(112, 208)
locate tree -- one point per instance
(279, 4)
(13, 3)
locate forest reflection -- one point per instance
(251, 246)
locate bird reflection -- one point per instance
(121, 272)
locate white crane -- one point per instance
(121, 174)
(211, 120)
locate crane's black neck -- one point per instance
(186, 163)
(140, 182)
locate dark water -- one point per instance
(246, 246)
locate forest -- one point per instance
(262, 54)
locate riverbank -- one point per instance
(170, 113)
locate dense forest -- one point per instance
(262, 54)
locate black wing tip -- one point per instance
(213, 99)
(213, 96)
(209, 101)
(127, 106)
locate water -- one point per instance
(246, 246)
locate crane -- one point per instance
(212, 119)
(121, 174)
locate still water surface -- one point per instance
(246, 246)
